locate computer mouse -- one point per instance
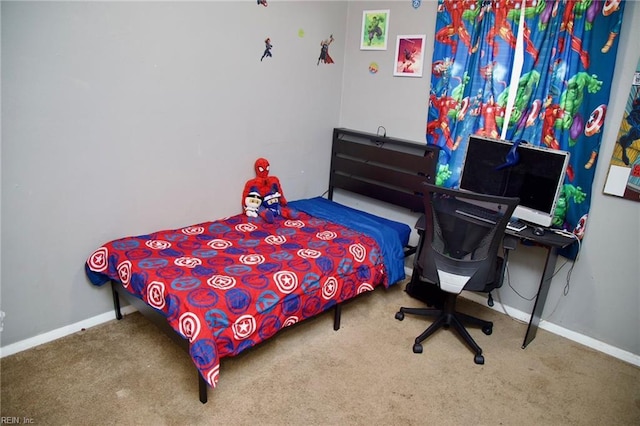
(539, 231)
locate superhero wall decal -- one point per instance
(267, 49)
(324, 56)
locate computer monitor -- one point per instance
(537, 177)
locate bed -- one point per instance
(218, 288)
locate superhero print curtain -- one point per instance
(560, 54)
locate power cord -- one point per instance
(566, 288)
(566, 233)
(529, 299)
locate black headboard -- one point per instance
(385, 168)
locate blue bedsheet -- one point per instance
(391, 236)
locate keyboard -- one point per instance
(479, 213)
(516, 225)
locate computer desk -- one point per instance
(552, 242)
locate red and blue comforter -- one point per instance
(230, 284)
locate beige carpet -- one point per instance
(127, 372)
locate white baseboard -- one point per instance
(623, 355)
(618, 353)
(512, 312)
(61, 332)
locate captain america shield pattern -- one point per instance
(228, 285)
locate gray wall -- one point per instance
(102, 101)
(122, 118)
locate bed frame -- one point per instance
(380, 167)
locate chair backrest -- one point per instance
(463, 234)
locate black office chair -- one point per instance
(459, 251)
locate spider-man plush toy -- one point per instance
(262, 195)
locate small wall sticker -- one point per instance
(324, 51)
(267, 49)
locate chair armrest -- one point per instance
(509, 242)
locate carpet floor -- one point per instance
(128, 373)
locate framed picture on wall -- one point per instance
(409, 58)
(623, 178)
(375, 27)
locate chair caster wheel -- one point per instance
(487, 329)
(479, 359)
(417, 348)
(399, 316)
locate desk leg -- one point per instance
(541, 297)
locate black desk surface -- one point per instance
(550, 238)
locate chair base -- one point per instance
(446, 317)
